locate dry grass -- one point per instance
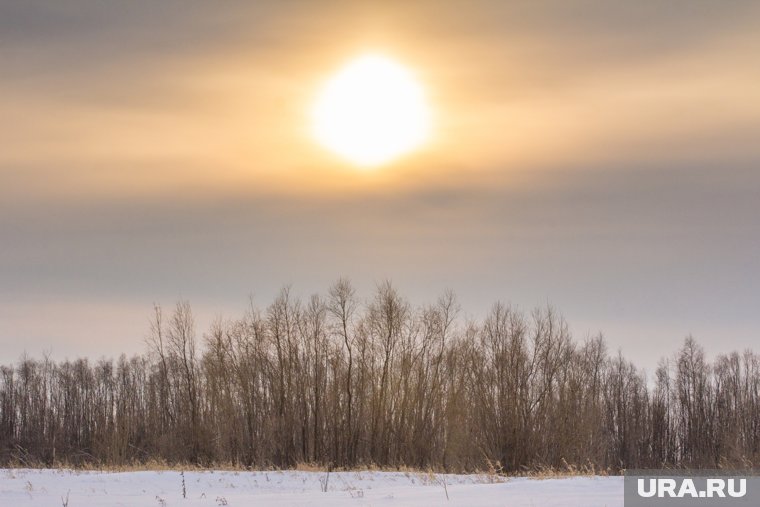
(566, 470)
(493, 471)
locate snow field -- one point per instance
(48, 487)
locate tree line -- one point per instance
(338, 382)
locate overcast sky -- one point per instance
(600, 156)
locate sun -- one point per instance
(372, 112)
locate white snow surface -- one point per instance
(27, 487)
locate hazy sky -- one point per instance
(601, 156)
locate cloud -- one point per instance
(600, 154)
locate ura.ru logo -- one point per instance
(715, 488)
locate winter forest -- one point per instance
(344, 382)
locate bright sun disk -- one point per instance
(372, 112)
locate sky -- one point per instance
(598, 156)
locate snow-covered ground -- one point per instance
(21, 487)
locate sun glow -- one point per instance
(372, 112)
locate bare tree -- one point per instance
(340, 382)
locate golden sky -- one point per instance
(601, 155)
